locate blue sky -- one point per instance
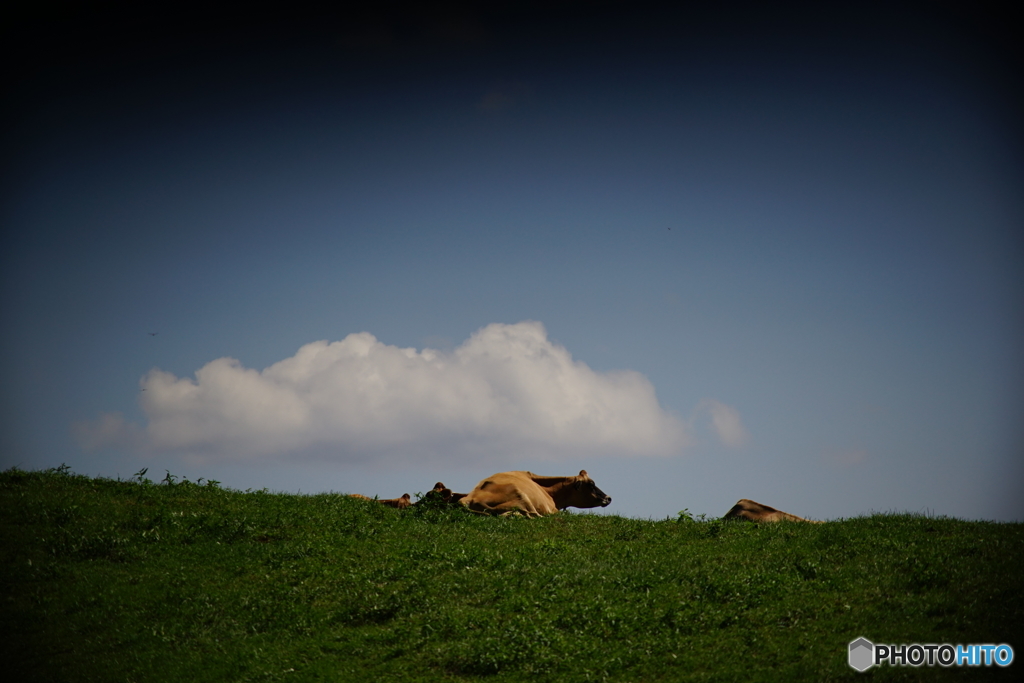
(704, 259)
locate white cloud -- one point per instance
(725, 421)
(507, 390)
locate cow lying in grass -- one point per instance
(400, 503)
(441, 494)
(533, 495)
(755, 512)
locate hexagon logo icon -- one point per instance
(862, 654)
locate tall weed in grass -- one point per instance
(141, 581)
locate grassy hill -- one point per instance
(136, 581)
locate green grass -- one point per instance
(134, 581)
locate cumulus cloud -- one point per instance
(726, 423)
(507, 390)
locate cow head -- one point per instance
(439, 493)
(585, 494)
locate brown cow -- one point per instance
(533, 495)
(443, 494)
(439, 494)
(755, 512)
(400, 503)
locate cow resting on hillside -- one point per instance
(755, 512)
(533, 495)
(400, 503)
(443, 494)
